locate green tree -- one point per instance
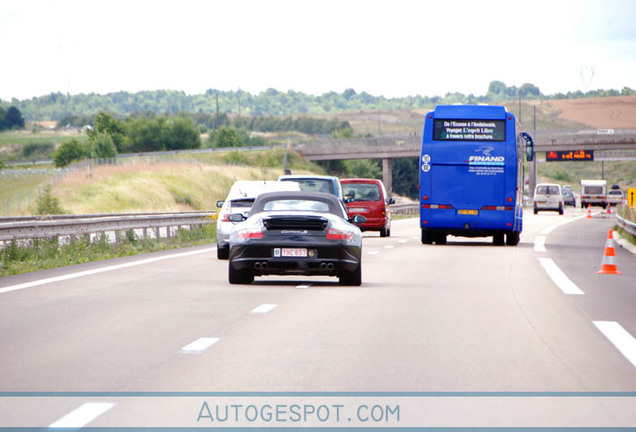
(107, 123)
(102, 146)
(11, 119)
(405, 176)
(47, 203)
(345, 132)
(145, 135)
(364, 168)
(68, 152)
(182, 134)
(227, 136)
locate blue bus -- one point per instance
(472, 174)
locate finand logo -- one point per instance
(486, 150)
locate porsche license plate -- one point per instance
(468, 212)
(291, 252)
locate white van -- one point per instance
(593, 192)
(548, 196)
(240, 200)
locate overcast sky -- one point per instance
(392, 48)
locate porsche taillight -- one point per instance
(336, 234)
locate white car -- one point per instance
(240, 200)
(615, 196)
(548, 196)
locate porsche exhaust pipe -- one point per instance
(260, 266)
(327, 266)
(257, 265)
(330, 266)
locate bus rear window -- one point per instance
(469, 130)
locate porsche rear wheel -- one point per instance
(239, 276)
(352, 278)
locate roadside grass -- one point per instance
(40, 254)
(158, 187)
(19, 189)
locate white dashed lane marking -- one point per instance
(264, 308)
(620, 337)
(199, 345)
(539, 244)
(559, 278)
(82, 416)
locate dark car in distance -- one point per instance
(296, 233)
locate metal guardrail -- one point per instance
(56, 226)
(627, 225)
(405, 208)
(31, 227)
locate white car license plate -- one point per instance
(357, 209)
(292, 252)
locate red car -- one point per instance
(368, 198)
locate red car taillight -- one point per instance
(250, 233)
(336, 234)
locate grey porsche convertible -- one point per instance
(296, 233)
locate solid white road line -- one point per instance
(199, 345)
(100, 270)
(559, 278)
(620, 337)
(548, 230)
(83, 415)
(264, 308)
(303, 286)
(539, 244)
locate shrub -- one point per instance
(68, 152)
(47, 204)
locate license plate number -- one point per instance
(468, 212)
(357, 209)
(290, 252)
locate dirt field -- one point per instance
(604, 113)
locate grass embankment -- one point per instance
(142, 185)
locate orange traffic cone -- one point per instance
(609, 263)
(609, 208)
(589, 211)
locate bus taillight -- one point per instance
(499, 208)
(437, 206)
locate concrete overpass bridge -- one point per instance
(388, 148)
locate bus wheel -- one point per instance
(440, 238)
(427, 236)
(512, 238)
(498, 239)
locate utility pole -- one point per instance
(216, 121)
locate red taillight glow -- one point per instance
(336, 234)
(437, 206)
(254, 233)
(500, 208)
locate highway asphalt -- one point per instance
(466, 316)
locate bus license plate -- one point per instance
(293, 252)
(468, 212)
